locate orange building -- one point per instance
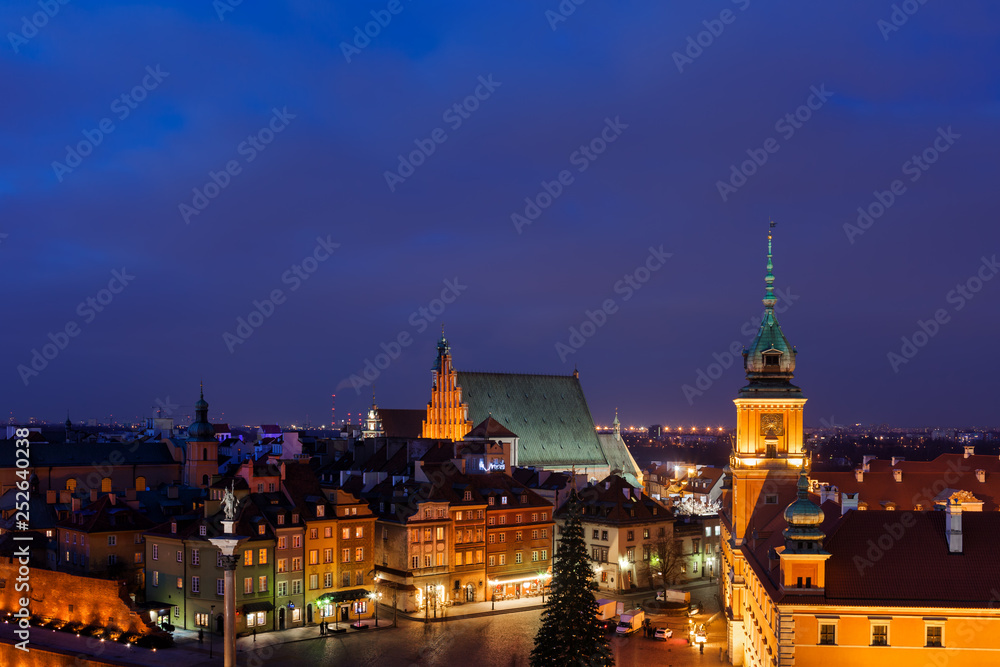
(447, 415)
(810, 585)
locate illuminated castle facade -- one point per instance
(818, 583)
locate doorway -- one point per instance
(281, 618)
(309, 613)
(344, 611)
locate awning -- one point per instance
(344, 596)
(251, 607)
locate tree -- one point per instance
(666, 560)
(571, 635)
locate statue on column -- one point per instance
(229, 502)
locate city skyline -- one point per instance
(428, 175)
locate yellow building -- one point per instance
(808, 585)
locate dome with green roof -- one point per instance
(200, 429)
(804, 518)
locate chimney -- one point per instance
(112, 498)
(859, 474)
(75, 504)
(969, 450)
(50, 497)
(953, 522)
(93, 495)
(897, 459)
(865, 460)
(980, 475)
(848, 501)
(897, 474)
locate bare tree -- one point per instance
(664, 565)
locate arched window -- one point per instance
(106, 485)
(71, 484)
(140, 483)
(204, 480)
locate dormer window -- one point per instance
(771, 360)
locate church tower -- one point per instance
(373, 423)
(201, 459)
(767, 452)
(447, 415)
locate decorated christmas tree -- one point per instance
(571, 635)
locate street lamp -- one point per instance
(211, 631)
(622, 562)
(374, 598)
(493, 594)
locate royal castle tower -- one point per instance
(447, 415)
(201, 459)
(767, 455)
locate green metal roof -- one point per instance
(548, 413)
(619, 458)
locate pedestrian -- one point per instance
(255, 635)
(201, 635)
(720, 654)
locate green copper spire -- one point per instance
(769, 299)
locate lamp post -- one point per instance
(211, 630)
(493, 594)
(374, 598)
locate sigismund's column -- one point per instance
(227, 544)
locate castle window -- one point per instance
(935, 635)
(880, 634)
(828, 634)
(771, 499)
(770, 361)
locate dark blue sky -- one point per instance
(679, 126)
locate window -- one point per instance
(297, 587)
(524, 497)
(138, 557)
(517, 518)
(345, 579)
(458, 558)
(296, 564)
(491, 521)
(828, 634)
(320, 511)
(545, 533)
(195, 584)
(492, 500)
(359, 576)
(314, 556)
(439, 533)
(360, 531)
(604, 535)
(545, 554)
(220, 586)
(328, 531)
(314, 533)
(493, 538)
(517, 557)
(296, 541)
(534, 534)
(503, 537)
(260, 529)
(327, 555)
(282, 564)
(770, 360)
(493, 561)
(177, 611)
(440, 559)
(414, 562)
(695, 546)
(359, 554)
(427, 534)
(195, 557)
(534, 556)
(534, 517)
(248, 585)
(479, 514)
(281, 519)
(771, 499)
(880, 635)
(517, 536)
(467, 495)
(112, 540)
(313, 582)
(328, 580)
(248, 557)
(282, 542)
(503, 520)
(717, 531)
(503, 500)
(935, 635)
(262, 583)
(503, 559)
(295, 517)
(218, 559)
(441, 514)
(180, 556)
(630, 536)
(156, 550)
(156, 577)
(345, 555)
(180, 582)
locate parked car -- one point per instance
(663, 634)
(694, 609)
(609, 626)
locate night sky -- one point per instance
(630, 126)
